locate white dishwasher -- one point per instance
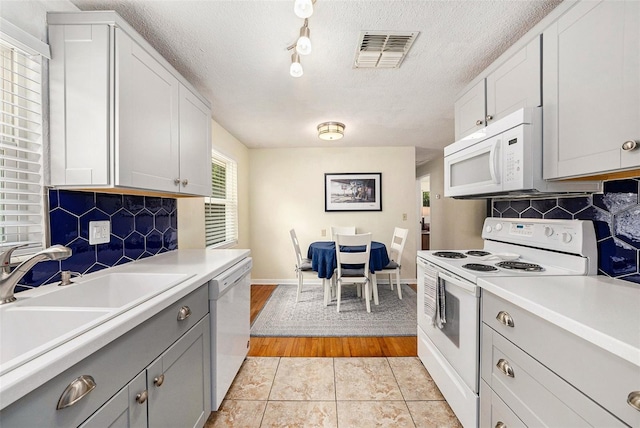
(229, 305)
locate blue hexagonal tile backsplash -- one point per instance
(141, 226)
(616, 217)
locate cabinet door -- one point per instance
(195, 145)
(592, 89)
(515, 84)
(124, 409)
(146, 149)
(179, 381)
(79, 83)
(470, 111)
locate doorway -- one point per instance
(424, 202)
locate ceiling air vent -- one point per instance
(383, 49)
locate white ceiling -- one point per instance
(235, 53)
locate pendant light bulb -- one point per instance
(296, 68)
(303, 45)
(303, 8)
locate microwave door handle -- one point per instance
(493, 163)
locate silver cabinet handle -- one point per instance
(505, 318)
(142, 397)
(76, 391)
(489, 117)
(184, 313)
(634, 399)
(185, 182)
(500, 424)
(629, 145)
(478, 122)
(504, 367)
(176, 181)
(158, 381)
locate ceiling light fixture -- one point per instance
(303, 46)
(303, 8)
(330, 131)
(296, 68)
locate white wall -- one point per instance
(455, 224)
(287, 191)
(191, 210)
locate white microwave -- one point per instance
(504, 159)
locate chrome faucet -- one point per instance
(9, 279)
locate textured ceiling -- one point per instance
(235, 53)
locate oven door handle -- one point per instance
(464, 285)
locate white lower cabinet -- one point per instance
(156, 375)
(534, 373)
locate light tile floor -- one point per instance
(333, 392)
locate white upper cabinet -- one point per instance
(515, 83)
(121, 116)
(591, 91)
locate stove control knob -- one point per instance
(499, 227)
(488, 229)
(548, 231)
(566, 237)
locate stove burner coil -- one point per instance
(479, 267)
(527, 267)
(478, 253)
(449, 255)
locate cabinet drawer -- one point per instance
(569, 356)
(494, 412)
(538, 396)
(112, 367)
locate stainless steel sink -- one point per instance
(33, 325)
(115, 290)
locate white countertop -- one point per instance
(202, 264)
(601, 310)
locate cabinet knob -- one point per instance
(479, 122)
(627, 146)
(184, 313)
(505, 318)
(505, 367)
(501, 424)
(158, 381)
(142, 397)
(176, 181)
(489, 117)
(185, 182)
(76, 391)
(634, 399)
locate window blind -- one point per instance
(221, 209)
(21, 182)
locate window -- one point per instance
(22, 215)
(221, 209)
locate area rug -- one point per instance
(282, 316)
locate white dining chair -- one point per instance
(342, 230)
(396, 248)
(358, 277)
(303, 264)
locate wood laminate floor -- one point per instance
(404, 346)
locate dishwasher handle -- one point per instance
(219, 285)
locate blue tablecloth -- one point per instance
(323, 257)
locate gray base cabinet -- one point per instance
(534, 373)
(156, 375)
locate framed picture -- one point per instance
(353, 192)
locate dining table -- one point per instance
(323, 257)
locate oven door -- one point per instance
(458, 340)
(474, 170)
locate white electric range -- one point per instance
(512, 248)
